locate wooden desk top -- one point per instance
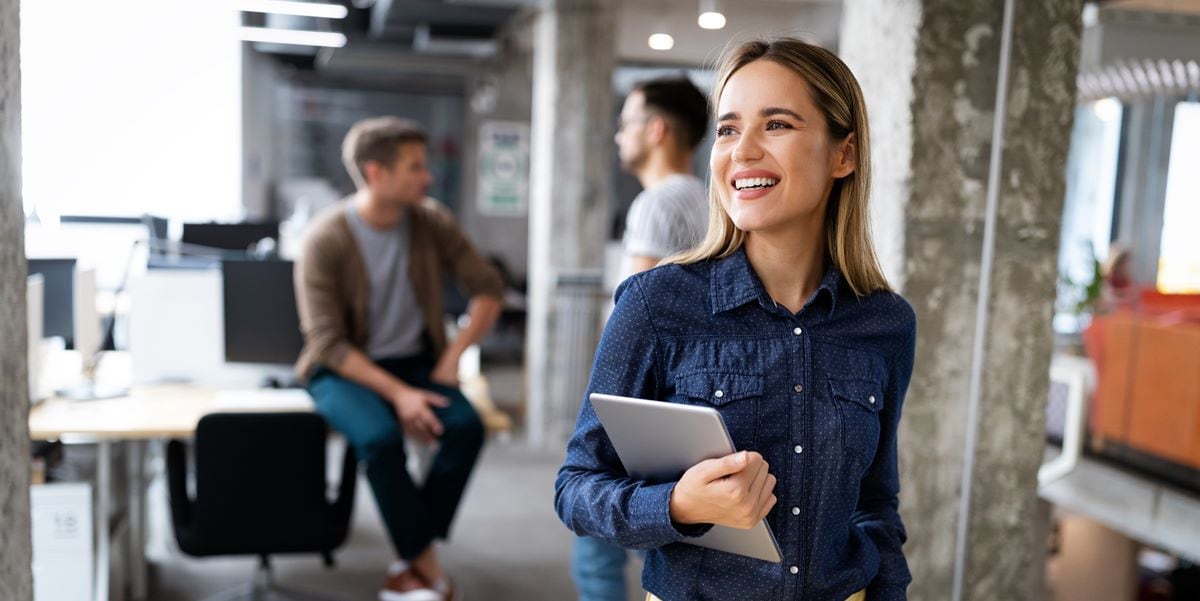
(166, 411)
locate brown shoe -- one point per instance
(448, 591)
(408, 586)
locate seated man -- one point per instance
(376, 359)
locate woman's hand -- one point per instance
(735, 490)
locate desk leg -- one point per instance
(102, 518)
(137, 519)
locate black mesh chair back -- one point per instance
(260, 487)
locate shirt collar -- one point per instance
(734, 284)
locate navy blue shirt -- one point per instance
(817, 393)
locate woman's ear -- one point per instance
(843, 160)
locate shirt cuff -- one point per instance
(650, 512)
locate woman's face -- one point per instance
(773, 164)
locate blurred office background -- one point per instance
(162, 160)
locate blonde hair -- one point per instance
(835, 91)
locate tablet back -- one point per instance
(658, 441)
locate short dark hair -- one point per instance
(378, 139)
(678, 99)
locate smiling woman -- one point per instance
(784, 297)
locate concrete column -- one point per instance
(971, 108)
(16, 577)
(572, 149)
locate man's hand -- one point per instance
(446, 370)
(413, 408)
(735, 490)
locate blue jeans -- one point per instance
(413, 515)
(598, 569)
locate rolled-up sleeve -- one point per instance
(593, 494)
(877, 513)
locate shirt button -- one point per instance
(794, 570)
(798, 331)
(720, 394)
(799, 449)
(795, 511)
(871, 399)
(798, 388)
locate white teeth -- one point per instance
(754, 182)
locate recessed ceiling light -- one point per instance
(711, 20)
(661, 41)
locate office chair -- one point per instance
(260, 489)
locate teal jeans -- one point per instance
(414, 515)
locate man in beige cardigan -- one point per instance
(376, 359)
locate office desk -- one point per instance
(148, 413)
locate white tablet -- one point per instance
(659, 441)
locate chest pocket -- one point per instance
(859, 403)
(734, 395)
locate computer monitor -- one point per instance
(261, 322)
(58, 297)
(230, 236)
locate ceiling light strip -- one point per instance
(291, 36)
(296, 9)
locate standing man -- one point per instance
(661, 124)
(376, 359)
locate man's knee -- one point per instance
(462, 423)
(380, 441)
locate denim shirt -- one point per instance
(817, 393)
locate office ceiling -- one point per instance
(440, 29)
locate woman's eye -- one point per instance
(725, 130)
(778, 125)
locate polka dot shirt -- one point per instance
(818, 393)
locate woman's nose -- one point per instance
(747, 149)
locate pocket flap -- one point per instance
(718, 388)
(865, 393)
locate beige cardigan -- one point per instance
(332, 292)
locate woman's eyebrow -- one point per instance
(771, 111)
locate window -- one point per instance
(1088, 208)
(1179, 257)
(131, 106)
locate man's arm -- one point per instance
(481, 315)
(482, 282)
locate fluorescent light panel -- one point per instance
(296, 9)
(292, 36)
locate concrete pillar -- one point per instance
(16, 577)
(971, 108)
(572, 150)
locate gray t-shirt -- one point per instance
(395, 317)
(667, 218)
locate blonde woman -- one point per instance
(783, 321)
